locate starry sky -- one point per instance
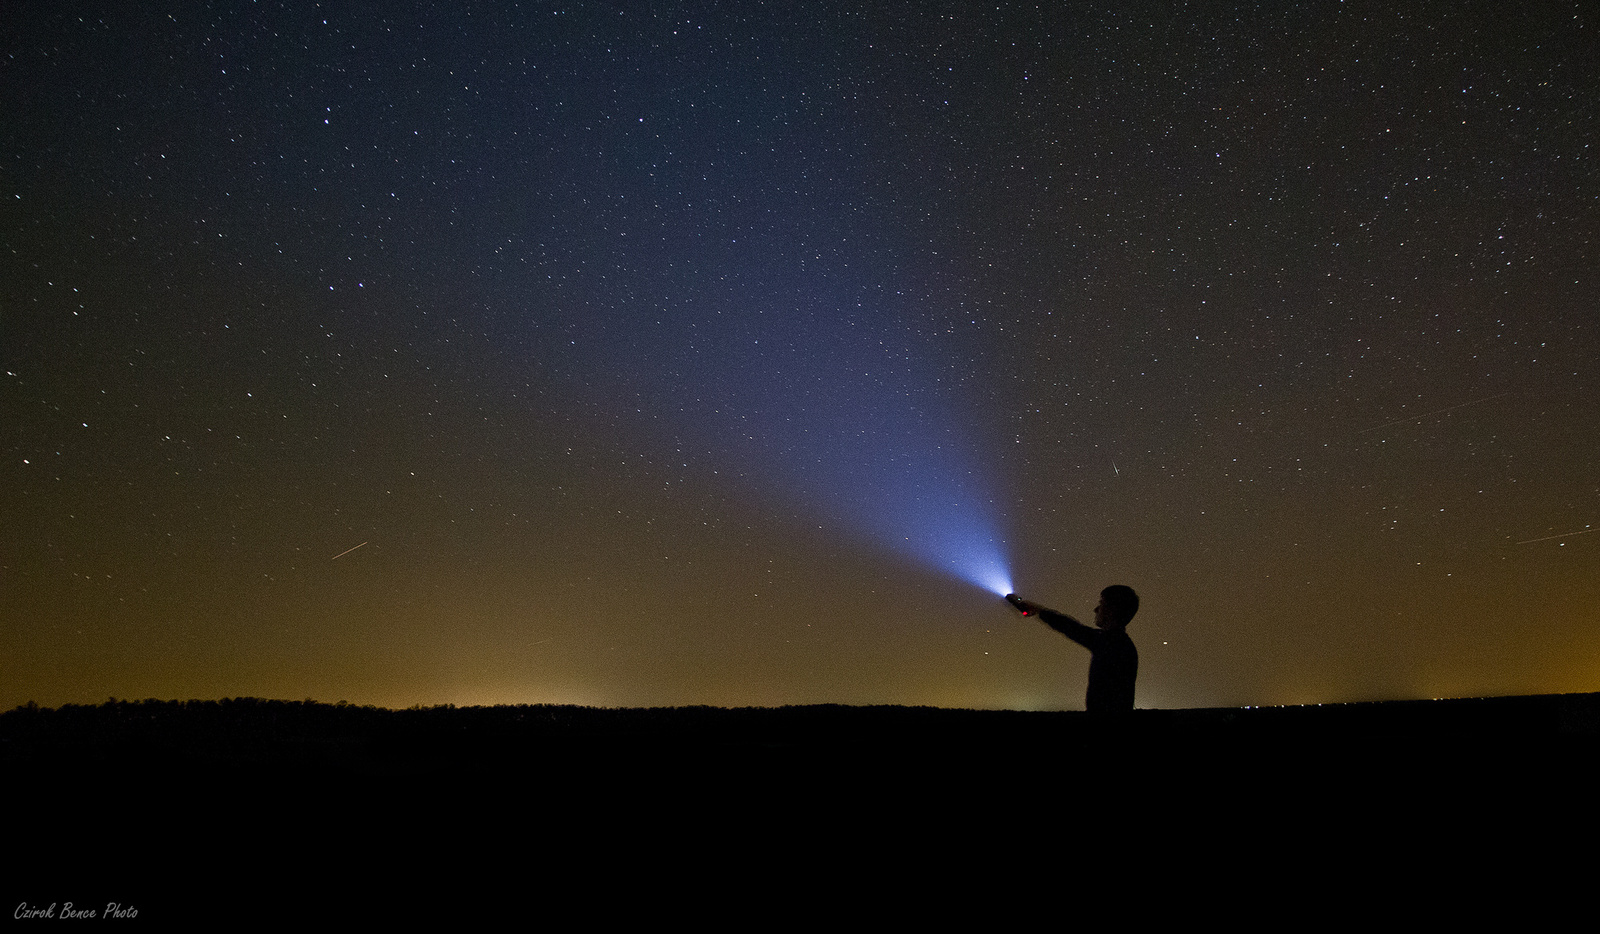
(707, 353)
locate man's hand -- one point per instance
(1025, 607)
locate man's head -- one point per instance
(1118, 603)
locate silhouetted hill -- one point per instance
(255, 733)
(267, 810)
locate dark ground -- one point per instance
(225, 811)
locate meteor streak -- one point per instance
(1562, 535)
(1412, 418)
(345, 552)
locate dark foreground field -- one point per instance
(254, 809)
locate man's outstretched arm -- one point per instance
(1060, 622)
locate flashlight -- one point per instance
(1019, 603)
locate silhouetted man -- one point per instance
(1113, 661)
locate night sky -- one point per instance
(652, 354)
